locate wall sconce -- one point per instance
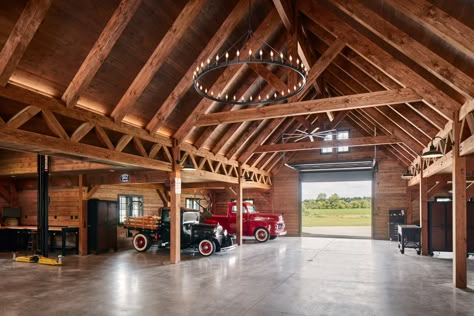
(186, 165)
(432, 151)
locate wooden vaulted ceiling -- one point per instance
(111, 81)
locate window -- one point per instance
(343, 134)
(192, 203)
(327, 150)
(129, 205)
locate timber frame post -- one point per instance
(459, 210)
(239, 226)
(175, 207)
(424, 213)
(83, 212)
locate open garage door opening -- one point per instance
(336, 199)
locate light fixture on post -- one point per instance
(432, 151)
(235, 56)
(407, 175)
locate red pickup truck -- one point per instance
(262, 226)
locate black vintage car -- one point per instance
(206, 238)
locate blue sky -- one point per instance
(343, 189)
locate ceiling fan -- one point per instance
(299, 135)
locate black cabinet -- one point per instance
(102, 228)
(440, 227)
(395, 218)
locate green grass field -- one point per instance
(336, 217)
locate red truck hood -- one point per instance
(266, 217)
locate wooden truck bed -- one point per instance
(151, 222)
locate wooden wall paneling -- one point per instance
(285, 199)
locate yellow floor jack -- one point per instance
(39, 259)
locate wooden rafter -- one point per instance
(362, 100)
(438, 100)
(439, 23)
(401, 41)
(164, 48)
(186, 82)
(353, 142)
(21, 36)
(265, 29)
(100, 50)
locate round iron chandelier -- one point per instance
(266, 56)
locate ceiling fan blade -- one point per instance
(311, 138)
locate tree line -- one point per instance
(334, 201)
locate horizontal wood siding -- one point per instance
(390, 193)
(63, 209)
(286, 199)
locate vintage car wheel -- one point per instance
(141, 242)
(273, 237)
(206, 247)
(261, 234)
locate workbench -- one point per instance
(23, 233)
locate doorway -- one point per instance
(337, 209)
(336, 199)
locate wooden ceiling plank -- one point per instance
(124, 141)
(398, 113)
(103, 137)
(362, 100)
(101, 49)
(21, 36)
(186, 82)
(448, 28)
(26, 96)
(54, 124)
(205, 106)
(353, 142)
(438, 100)
(164, 49)
(81, 131)
(68, 147)
(285, 11)
(23, 116)
(259, 140)
(340, 116)
(322, 63)
(249, 132)
(208, 131)
(398, 125)
(403, 42)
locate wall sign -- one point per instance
(124, 178)
(177, 182)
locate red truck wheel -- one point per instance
(261, 234)
(141, 242)
(206, 247)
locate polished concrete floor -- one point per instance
(288, 276)
(338, 231)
